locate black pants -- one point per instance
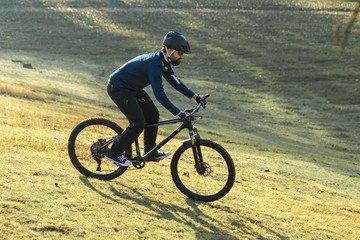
(138, 114)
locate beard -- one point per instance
(176, 62)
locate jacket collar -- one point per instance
(165, 64)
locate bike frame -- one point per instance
(187, 123)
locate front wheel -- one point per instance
(214, 176)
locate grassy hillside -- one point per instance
(282, 102)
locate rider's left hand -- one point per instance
(201, 99)
(184, 115)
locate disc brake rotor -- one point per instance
(205, 169)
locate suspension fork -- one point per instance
(194, 137)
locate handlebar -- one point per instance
(196, 109)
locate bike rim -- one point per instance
(213, 176)
(89, 153)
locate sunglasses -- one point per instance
(181, 53)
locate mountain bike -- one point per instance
(200, 168)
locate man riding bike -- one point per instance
(125, 88)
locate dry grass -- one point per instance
(291, 127)
(44, 197)
(19, 91)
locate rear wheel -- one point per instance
(212, 180)
(87, 148)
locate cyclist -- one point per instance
(125, 88)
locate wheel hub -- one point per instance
(205, 169)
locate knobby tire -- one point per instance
(81, 141)
(217, 177)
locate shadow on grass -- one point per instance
(205, 225)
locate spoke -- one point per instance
(213, 173)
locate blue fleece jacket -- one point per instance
(145, 70)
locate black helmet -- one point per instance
(177, 41)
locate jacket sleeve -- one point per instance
(177, 84)
(158, 89)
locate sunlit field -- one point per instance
(282, 102)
